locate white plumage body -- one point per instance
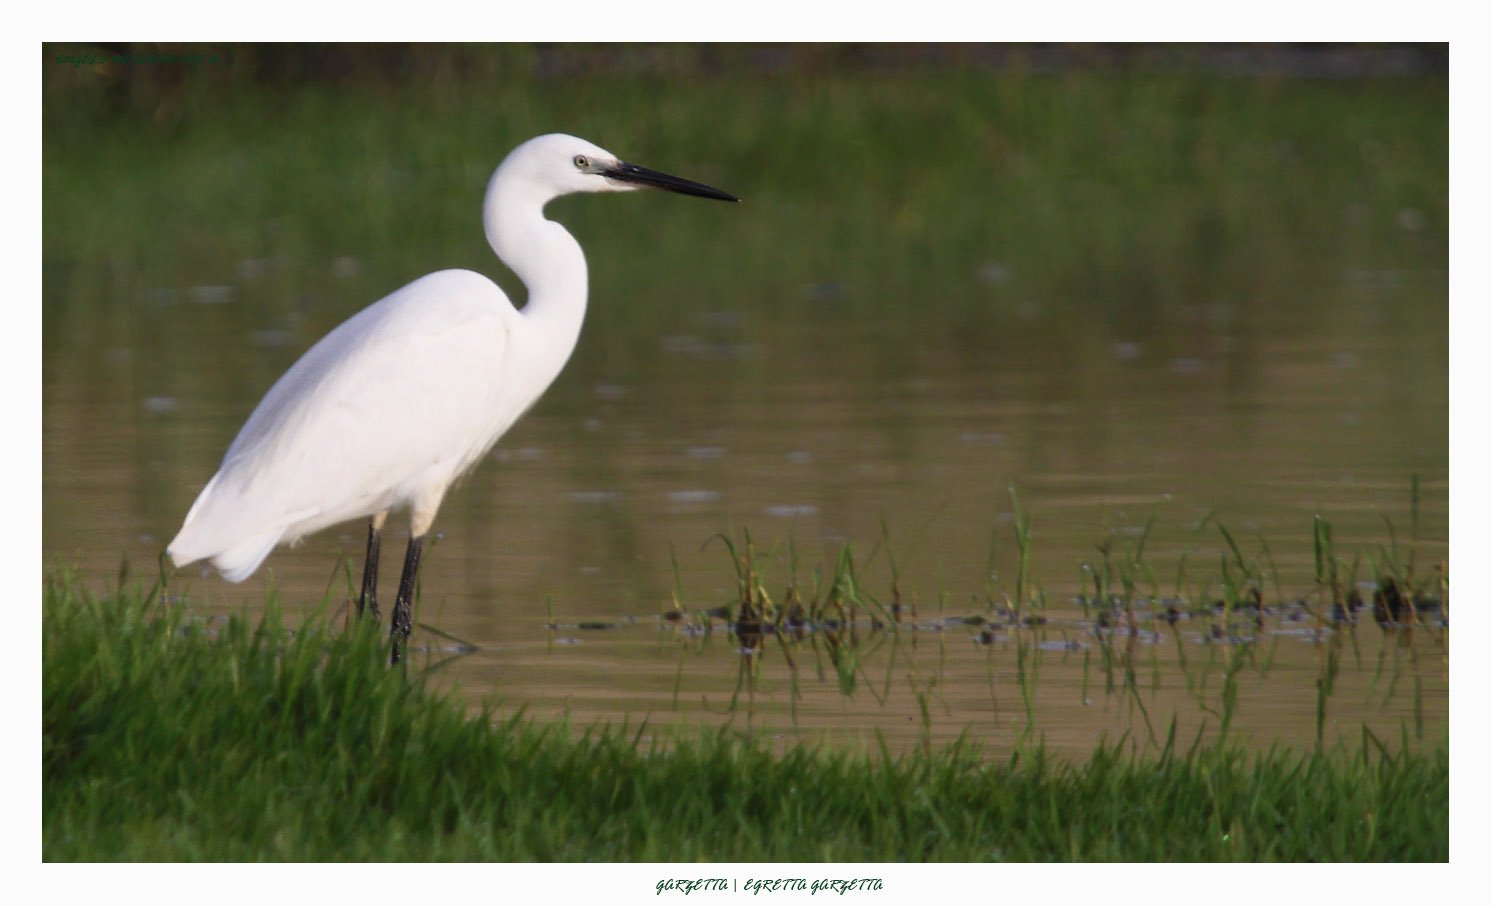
(367, 420)
(392, 406)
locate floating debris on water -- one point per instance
(522, 454)
(611, 392)
(211, 295)
(593, 496)
(272, 338)
(789, 511)
(693, 496)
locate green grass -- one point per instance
(168, 737)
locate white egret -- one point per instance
(404, 397)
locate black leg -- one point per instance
(403, 616)
(369, 599)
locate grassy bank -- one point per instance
(165, 737)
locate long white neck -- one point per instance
(545, 257)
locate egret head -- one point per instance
(561, 164)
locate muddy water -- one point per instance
(580, 514)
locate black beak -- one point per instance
(625, 172)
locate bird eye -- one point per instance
(581, 161)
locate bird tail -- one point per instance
(236, 559)
(236, 562)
